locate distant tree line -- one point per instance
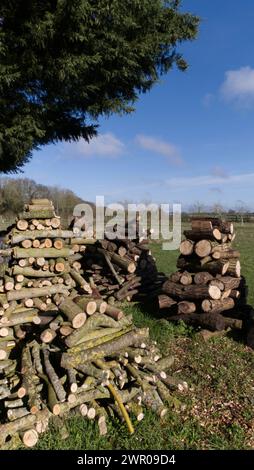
(15, 192)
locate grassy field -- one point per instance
(218, 410)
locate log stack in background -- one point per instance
(208, 289)
(63, 348)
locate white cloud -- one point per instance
(161, 147)
(238, 86)
(104, 146)
(209, 180)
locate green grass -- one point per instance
(218, 410)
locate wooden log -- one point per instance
(42, 202)
(22, 224)
(123, 263)
(196, 235)
(218, 283)
(48, 243)
(101, 305)
(86, 304)
(213, 267)
(26, 243)
(222, 225)
(37, 292)
(210, 321)
(218, 305)
(45, 253)
(37, 214)
(29, 382)
(55, 222)
(201, 224)
(226, 254)
(164, 301)
(36, 243)
(27, 316)
(83, 284)
(38, 234)
(8, 283)
(235, 294)
(75, 314)
(202, 278)
(191, 292)
(185, 307)
(60, 265)
(114, 312)
(19, 425)
(230, 282)
(186, 247)
(175, 277)
(136, 336)
(58, 244)
(186, 279)
(234, 268)
(203, 248)
(54, 379)
(31, 272)
(48, 335)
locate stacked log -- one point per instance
(63, 348)
(207, 290)
(121, 269)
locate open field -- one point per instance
(218, 410)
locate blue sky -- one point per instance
(191, 138)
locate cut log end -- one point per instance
(79, 320)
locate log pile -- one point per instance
(63, 348)
(207, 290)
(121, 269)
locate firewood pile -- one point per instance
(207, 290)
(63, 348)
(121, 269)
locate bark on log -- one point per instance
(38, 234)
(30, 272)
(202, 278)
(196, 235)
(73, 312)
(37, 292)
(230, 282)
(41, 252)
(185, 307)
(127, 265)
(83, 284)
(133, 337)
(164, 301)
(54, 379)
(209, 321)
(218, 305)
(86, 304)
(37, 214)
(234, 268)
(213, 267)
(191, 292)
